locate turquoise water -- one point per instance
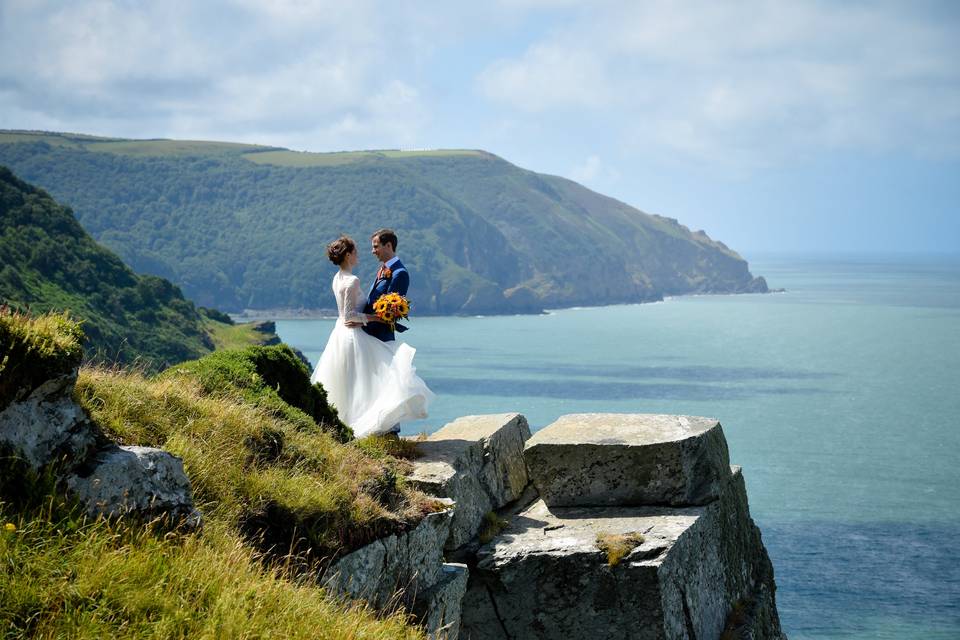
(840, 398)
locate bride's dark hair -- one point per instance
(338, 249)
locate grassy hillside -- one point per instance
(241, 226)
(67, 578)
(47, 261)
(278, 495)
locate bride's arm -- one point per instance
(353, 315)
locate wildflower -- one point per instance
(10, 527)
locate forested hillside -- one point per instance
(47, 261)
(244, 227)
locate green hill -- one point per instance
(244, 227)
(47, 261)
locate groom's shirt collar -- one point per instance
(392, 261)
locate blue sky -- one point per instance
(774, 126)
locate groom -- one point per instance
(392, 277)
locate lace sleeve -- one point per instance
(352, 310)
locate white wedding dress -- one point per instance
(372, 384)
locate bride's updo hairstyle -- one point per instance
(338, 249)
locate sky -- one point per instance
(775, 126)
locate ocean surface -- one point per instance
(840, 398)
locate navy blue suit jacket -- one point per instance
(398, 282)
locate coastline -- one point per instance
(256, 315)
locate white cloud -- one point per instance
(732, 84)
(394, 114)
(228, 69)
(547, 76)
(749, 83)
(593, 172)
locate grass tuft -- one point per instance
(34, 349)
(389, 446)
(618, 545)
(492, 525)
(94, 579)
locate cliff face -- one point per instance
(691, 563)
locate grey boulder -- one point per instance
(48, 426)
(611, 459)
(438, 608)
(138, 481)
(394, 569)
(478, 462)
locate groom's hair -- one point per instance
(339, 248)
(386, 236)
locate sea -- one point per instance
(839, 397)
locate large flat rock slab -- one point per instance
(622, 459)
(478, 462)
(545, 577)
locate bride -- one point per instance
(373, 384)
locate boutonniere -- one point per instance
(387, 273)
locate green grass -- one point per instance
(618, 545)
(280, 498)
(142, 148)
(163, 148)
(285, 158)
(273, 479)
(75, 579)
(54, 139)
(232, 336)
(35, 349)
(379, 447)
(269, 377)
(431, 153)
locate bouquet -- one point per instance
(391, 307)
